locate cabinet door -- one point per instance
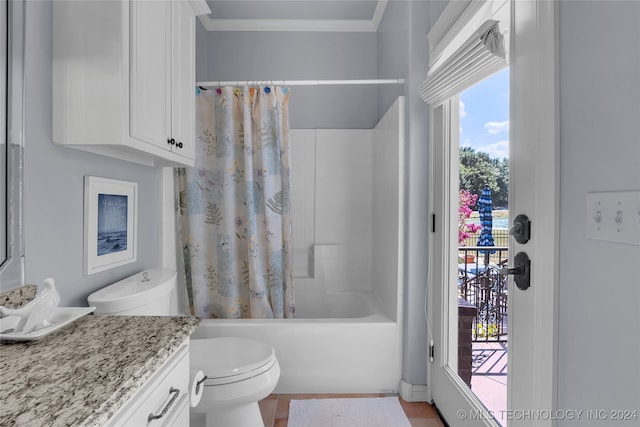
(150, 72)
(183, 79)
(165, 396)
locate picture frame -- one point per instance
(110, 223)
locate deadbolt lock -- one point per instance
(521, 230)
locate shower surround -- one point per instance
(347, 208)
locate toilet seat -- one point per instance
(229, 360)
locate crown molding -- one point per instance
(329, 25)
(347, 25)
(379, 13)
(200, 7)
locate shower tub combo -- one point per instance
(347, 334)
(339, 342)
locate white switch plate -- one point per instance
(614, 216)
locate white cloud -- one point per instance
(498, 150)
(463, 114)
(496, 127)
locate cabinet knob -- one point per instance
(179, 145)
(171, 141)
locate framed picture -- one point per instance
(110, 223)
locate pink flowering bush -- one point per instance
(466, 200)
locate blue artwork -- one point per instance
(112, 223)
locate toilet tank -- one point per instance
(147, 293)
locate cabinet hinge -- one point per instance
(433, 223)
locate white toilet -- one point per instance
(239, 372)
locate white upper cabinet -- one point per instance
(124, 78)
(183, 80)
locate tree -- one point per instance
(477, 169)
(501, 196)
(466, 201)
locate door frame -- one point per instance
(533, 314)
(535, 124)
(456, 403)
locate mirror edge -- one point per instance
(12, 272)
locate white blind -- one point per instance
(482, 55)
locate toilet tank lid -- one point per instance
(140, 286)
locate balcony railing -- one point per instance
(482, 285)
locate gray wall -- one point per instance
(600, 150)
(403, 50)
(268, 55)
(53, 184)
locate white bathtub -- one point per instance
(338, 343)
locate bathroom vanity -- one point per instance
(100, 371)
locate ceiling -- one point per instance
(294, 15)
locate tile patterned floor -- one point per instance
(275, 409)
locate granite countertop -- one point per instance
(83, 373)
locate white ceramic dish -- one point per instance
(62, 317)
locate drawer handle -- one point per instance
(176, 393)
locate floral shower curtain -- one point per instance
(234, 219)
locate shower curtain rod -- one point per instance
(299, 82)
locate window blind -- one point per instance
(482, 55)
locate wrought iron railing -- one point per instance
(500, 237)
(482, 285)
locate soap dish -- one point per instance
(60, 318)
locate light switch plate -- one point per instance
(614, 216)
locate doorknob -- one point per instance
(521, 230)
(521, 272)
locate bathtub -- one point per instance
(340, 342)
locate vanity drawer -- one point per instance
(161, 401)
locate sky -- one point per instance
(484, 116)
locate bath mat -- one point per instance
(351, 412)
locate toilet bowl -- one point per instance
(239, 371)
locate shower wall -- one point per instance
(331, 204)
(388, 208)
(346, 207)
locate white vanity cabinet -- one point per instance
(161, 401)
(124, 78)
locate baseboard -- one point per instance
(413, 392)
